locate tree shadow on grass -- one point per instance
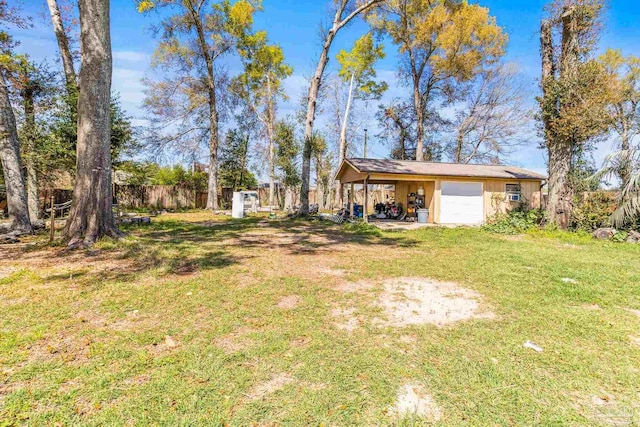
(291, 236)
(183, 248)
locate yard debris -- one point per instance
(569, 280)
(411, 301)
(413, 399)
(532, 346)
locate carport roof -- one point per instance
(386, 166)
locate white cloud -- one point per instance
(130, 56)
(128, 83)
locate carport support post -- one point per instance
(351, 201)
(365, 208)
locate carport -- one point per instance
(453, 193)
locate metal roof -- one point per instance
(387, 166)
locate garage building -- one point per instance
(453, 193)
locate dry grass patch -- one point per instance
(277, 382)
(235, 341)
(414, 400)
(347, 320)
(411, 301)
(289, 302)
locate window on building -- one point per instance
(513, 189)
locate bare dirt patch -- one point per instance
(355, 287)
(411, 301)
(7, 271)
(235, 341)
(289, 302)
(347, 320)
(413, 399)
(328, 271)
(277, 382)
(633, 311)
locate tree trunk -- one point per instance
(272, 149)
(457, 157)
(91, 215)
(418, 101)
(63, 45)
(343, 139)
(314, 88)
(214, 142)
(560, 192)
(12, 164)
(33, 197)
(625, 166)
(212, 189)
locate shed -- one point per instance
(454, 193)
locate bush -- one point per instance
(517, 221)
(592, 211)
(620, 237)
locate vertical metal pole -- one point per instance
(351, 200)
(52, 230)
(365, 143)
(365, 207)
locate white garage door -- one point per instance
(461, 203)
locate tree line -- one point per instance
(461, 100)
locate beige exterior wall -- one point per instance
(495, 194)
(494, 190)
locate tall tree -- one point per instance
(576, 92)
(30, 85)
(625, 106)
(260, 86)
(442, 43)
(398, 129)
(9, 143)
(63, 46)
(357, 68)
(287, 161)
(91, 213)
(346, 11)
(492, 118)
(234, 159)
(191, 43)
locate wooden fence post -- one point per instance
(53, 219)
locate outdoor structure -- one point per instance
(453, 193)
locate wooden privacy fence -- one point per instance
(167, 197)
(156, 196)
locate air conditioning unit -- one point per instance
(514, 197)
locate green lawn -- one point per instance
(200, 320)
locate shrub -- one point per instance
(620, 237)
(592, 211)
(517, 221)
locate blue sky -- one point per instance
(294, 25)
